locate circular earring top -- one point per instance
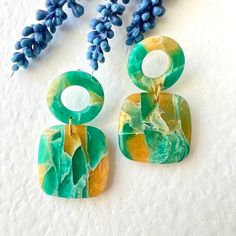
(84, 80)
(171, 75)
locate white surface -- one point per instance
(75, 98)
(160, 58)
(195, 197)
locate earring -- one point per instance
(73, 159)
(155, 126)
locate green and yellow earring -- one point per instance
(73, 159)
(155, 126)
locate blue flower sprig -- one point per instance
(144, 20)
(37, 36)
(102, 30)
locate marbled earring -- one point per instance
(73, 159)
(155, 126)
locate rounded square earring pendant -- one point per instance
(73, 159)
(155, 127)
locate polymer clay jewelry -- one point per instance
(73, 159)
(155, 126)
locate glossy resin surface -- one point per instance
(75, 78)
(73, 165)
(155, 131)
(140, 51)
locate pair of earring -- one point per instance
(154, 126)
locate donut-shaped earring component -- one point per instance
(172, 74)
(84, 80)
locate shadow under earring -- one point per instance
(73, 159)
(155, 126)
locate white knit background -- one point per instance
(192, 198)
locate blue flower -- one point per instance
(102, 31)
(37, 36)
(144, 20)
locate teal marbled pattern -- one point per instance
(73, 166)
(74, 78)
(155, 132)
(141, 50)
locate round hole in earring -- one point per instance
(155, 63)
(75, 98)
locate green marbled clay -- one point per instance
(172, 74)
(155, 127)
(73, 166)
(155, 132)
(84, 80)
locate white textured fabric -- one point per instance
(195, 197)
